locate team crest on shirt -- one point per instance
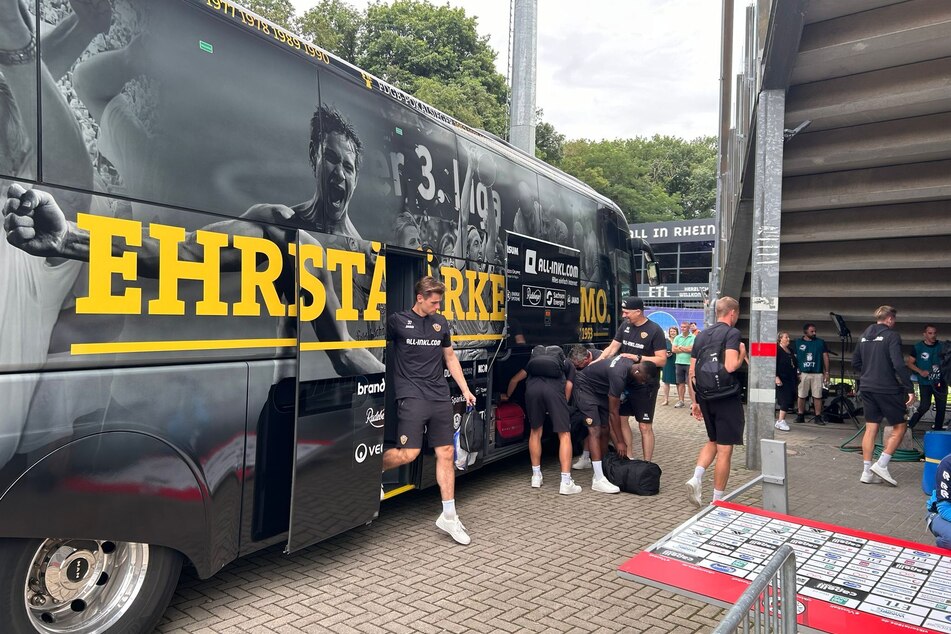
(588, 421)
(643, 335)
(404, 439)
(437, 327)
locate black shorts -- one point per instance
(723, 419)
(417, 416)
(682, 371)
(889, 407)
(547, 396)
(593, 408)
(640, 403)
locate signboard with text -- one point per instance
(543, 300)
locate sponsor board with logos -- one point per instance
(846, 580)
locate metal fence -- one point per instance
(769, 603)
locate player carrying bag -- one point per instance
(711, 380)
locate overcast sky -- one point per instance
(616, 68)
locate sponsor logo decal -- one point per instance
(375, 417)
(363, 451)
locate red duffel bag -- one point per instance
(509, 421)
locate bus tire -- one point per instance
(82, 586)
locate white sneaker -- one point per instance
(782, 426)
(569, 488)
(382, 493)
(454, 527)
(694, 491)
(536, 481)
(679, 404)
(882, 472)
(603, 485)
(582, 462)
(869, 478)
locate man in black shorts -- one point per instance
(722, 417)
(422, 346)
(884, 383)
(597, 391)
(548, 387)
(639, 339)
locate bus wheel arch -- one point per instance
(80, 586)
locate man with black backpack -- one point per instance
(716, 356)
(884, 383)
(550, 376)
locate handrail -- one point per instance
(770, 597)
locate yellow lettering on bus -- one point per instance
(103, 265)
(311, 255)
(377, 291)
(348, 262)
(253, 280)
(601, 305)
(453, 297)
(498, 297)
(173, 269)
(477, 281)
(594, 305)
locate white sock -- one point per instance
(565, 478)
(717, 495)
(536, 470)
(698, 473)
(586, 454)
(449, 508)
(883, 459)
(867, 464)
(598, 473)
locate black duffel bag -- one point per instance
(632, 476)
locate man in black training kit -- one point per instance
(639, 339)
(422, 346)
(885, 382)
(550, 380)
(602, 382)
(723, 417)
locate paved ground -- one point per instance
(538, 562)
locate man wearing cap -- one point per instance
(639, 339)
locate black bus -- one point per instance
(207, 220)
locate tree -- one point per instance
(409, 41)
(280, 12)
(333, 25)
(549, 144)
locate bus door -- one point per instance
(403, 270)
(338, 433)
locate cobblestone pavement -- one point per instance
(538, 562)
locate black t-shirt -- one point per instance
(418, 346)
(731, 339)
(645, 340)
(606, 378)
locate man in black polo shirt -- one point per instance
(548, 387)
(422, 346)
(639, 339)
(597, 391)
(885, 381)
(723, 417)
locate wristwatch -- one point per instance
(640, 358)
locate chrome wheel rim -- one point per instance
(83, 586)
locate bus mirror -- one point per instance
(653, 273)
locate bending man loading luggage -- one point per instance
(597, 391)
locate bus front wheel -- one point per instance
(81, 586)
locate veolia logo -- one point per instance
(363, 451)
(365, 387)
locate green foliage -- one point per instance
(549, 143)
(656, 179)
(333, 25)
(410, 41)
(281, 12)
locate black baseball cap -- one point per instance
(632, 303)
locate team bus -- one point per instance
(207, 219)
